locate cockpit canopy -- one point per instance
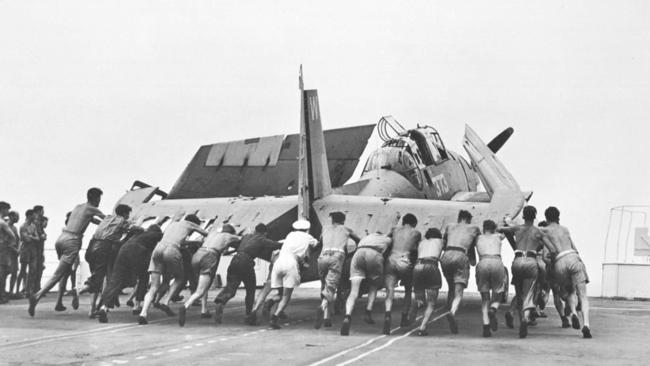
(398, 159)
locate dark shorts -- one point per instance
(368, 264)
(455, 267)
(167, 260)
(426, 275)
(490, 275)
(205, 262)
(28, 253)
(524, 268)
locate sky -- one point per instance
(100, 93)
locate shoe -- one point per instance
(167, 310)
(586, 332)
(532, 323)
(266, 308)
(274, 322)
(283, 316)
(453, 325)
(565, 322)
(386, 329)
(156, 305)
(32, 306)
(182, 312)
(75, 300)
(136, 311)
(60, 307)
(523, 329)
(486, 331)
(142, 320)
(206, 315)
(510, 321)
(218, 313)
(422, 333)
(542, 314)
(251, 319)
(404, 322)
(367, 317)
(177, 298)
(92, 315)
(319, 318)
(575, 322)
(494, 324)
(327, 323)
(130, 303)
(117, 302)
(345, 326)
(102, 316)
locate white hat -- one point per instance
(301, 225)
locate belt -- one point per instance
(528, 253)
(564, 253)
(490, 256)
(332, 251)
(428, 260)
(73, 233)
(458, 249)
(372, 248)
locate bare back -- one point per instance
(559, 236)
(528, 238)
(461, 235)
(489, 244)
(430, 248)
(405, 239)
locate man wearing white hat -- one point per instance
(286, 270)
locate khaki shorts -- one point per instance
(569, 271)
(368, 264)
(330, 267)
(67, 249)
(398, 267)
(455, 267)
(205, 262)
(285, 272)
(426, 275)
(167, 260)
(490, 275)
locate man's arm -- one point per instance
(5, 228)
(27, 235)
(471, 251)
(353, 236)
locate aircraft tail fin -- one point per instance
(493, 174)
(314, 178)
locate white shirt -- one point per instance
(296, 244)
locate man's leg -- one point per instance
(459, 288)
(233, 280)
(22, 278)
(581, 290)
(13, 274)
(485, 304)
(62, 270)
(284, 301)
(202, 287)
(349, 305)
(410, 307)
(156, 279)
(249, 285)
(430, 300)
(4, 270)
(388, 303)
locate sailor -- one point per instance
(426, 275)
(67, 246)
(367, 263)
(110, 230)
(29, 253)
(167, 259)
(286, 270)
(459, 240)
(490, 275)
(399, 266)
(132, 261)
(261, 300)
(204, 264)
(13, 254)
(568, 271)
(242, 269)
(6, 239)
(528, 239)
(334, 239)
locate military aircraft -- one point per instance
(251, 181)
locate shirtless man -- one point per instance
(330, 264)
(528, 239)
(15, 245)
(6, 239)
(286, 270)
(28, 253)
(459, 240)
(167, 259)
(41, 223)
(67, 247)
(569, 271)
(399, 266)
(489, 275)
(367, 263)
(426, 275)
(205, 263)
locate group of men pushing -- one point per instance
(121, 254)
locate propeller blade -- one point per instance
(498, 142)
